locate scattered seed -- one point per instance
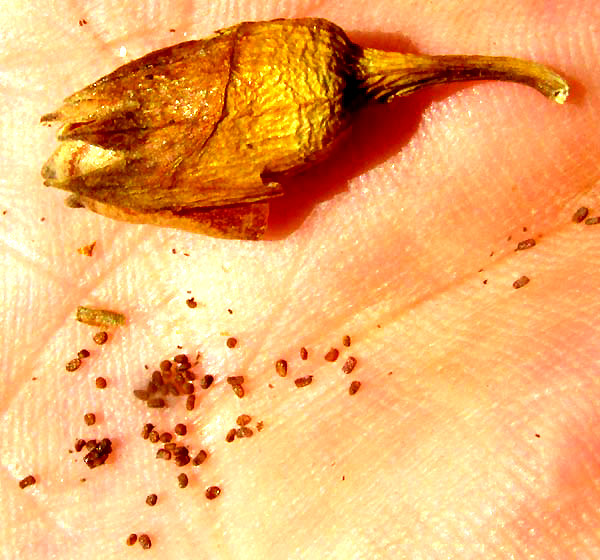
(244, 431)
(206, 381)
(520, 282)
(89, 418)
(235, 379)
(349, 365)
(79, 445)
(29, 480)
(243, 420)
(303, 381)
(182, 460)
(580, 214)
(212, 492)
(100, 337)
(99, 454)
(180, 429)
(83, 353)
(154, 436)
(141, 394)
(165, 437)
(200, 458)
(190, 402)
(182, 480)
(281, 367)
(191, 303)
(354, 387)
(188, 388)
(100, 383)
(527, 244)
(131, 539)
(592, 221)
(238, 390)
(163, 454)
(332, 355)
(303, 353)
(156, 402)
(231, 342)
(73, 365)
(151, 499)
(99, 317)
(230, 435)
(145, 542)
(146, 430)
(346, 341)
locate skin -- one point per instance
(474, 433)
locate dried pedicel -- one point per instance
(201, 135)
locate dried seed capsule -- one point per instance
(231, 342)
(99, 317)
(580, 214)
(182, 480)
(89, 418)
(332, 355)
(100, 337)
(260, 100)
(230, 435)
(520, 282)
(354, 387)
(527, 244)
(303, 381)
(281, 367)
(146, 430)
(349, 365)
(180, 429)
(163, 454)
(190, 402)
(212, 492)
(83, 353)
(131, 539)
(151, 499)
(206, 381)
(100, 383)
(243, 420)
(145, 542)
(156, 402)
(303, 353)
(73, 365)
(29, 480)
(200, 458)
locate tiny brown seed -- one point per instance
(89, 418)
(141, 394)
(200, 458)
(145, 542)
(212, 492)
(592, 221)
(354, 387)
(206, 381)
(73, 365)
(243, 420)
(346, 341)
(163, 454)
(527, 244)
(230, 435)
(332, 355)
(182, 480)
(190, 402)
(146, 430)
(131, 539)
(100, 337)
(154, 436)
(180, 429)
(281, 367)
(165, 437)
(151, 499)
(303, 353)
(520, 282)
(580, 214)
(83, 353)
(235, 379)
(100, 383)
(231, 342)
(238, 390)
(349, 365)
(156, 402)
(29, 480)
(303, 381)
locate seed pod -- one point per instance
(201, 135)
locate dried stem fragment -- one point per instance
(99, 317)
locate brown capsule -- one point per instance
(89, 418)
(303, 353)
(527, 244)
(580, 214)
(99, 317)
(180, 429)
(145, 542)
(79, 445)
(182, 480)
(212, 492)
(151, 499)
(199, 458)
(163, 454)
(146, 430)
(239, 113)
(100, 383)
(165, 437)
(131, 539)
(520, 282)
(592, 221)
(206, 381)
(83, 353)
(349, 365)
(243, 420)
(230, 435)
(190, 402)
(346, 341)
(281, 367)
(231, 342)
(303, 381)
(100, 337)
(73, 365)
(29, 480)
(141, 394)
(332, 355)
(156, 402)
(354, 387)
(154, 436)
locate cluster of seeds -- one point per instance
(98, 451)
(236, 382)
(242, 431)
